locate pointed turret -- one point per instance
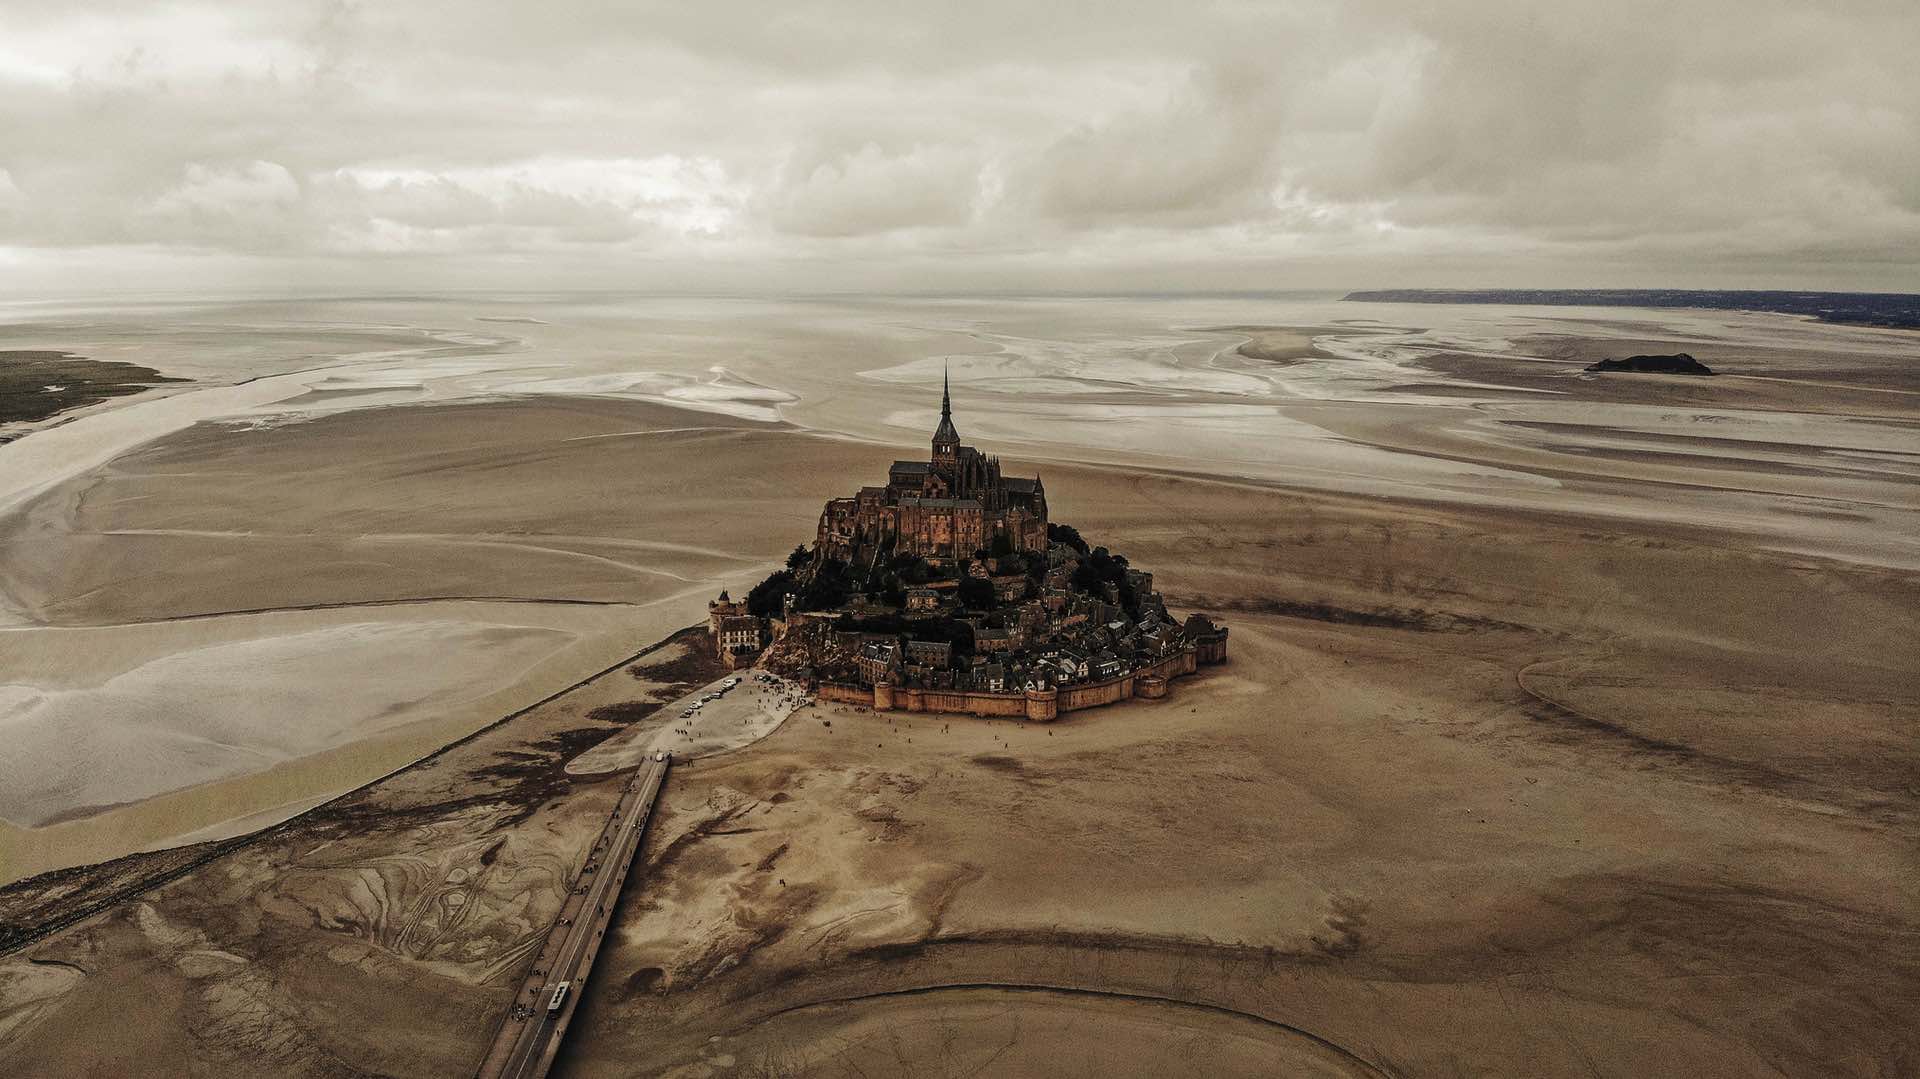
(945, 432)
(945, 435)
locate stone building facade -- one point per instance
(948, 506)
(738, 635)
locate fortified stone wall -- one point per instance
(1094, 694)
(1173, 666)
(1043, 705)
(850, 692)
(919, 699)
(1038, 705)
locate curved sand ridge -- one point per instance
(1018, 1029)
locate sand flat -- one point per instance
(371, 621)
(1565, 731)
(221, 709)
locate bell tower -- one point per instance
(946, 440)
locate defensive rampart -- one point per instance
(1038, 705)
(850, 692)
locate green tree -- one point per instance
(1086, 578)
(977, 593)
(912, 568)
(829, 587)
(1101, 568)
(1068, 535)
(767, 597)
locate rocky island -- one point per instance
(947, 589)
(1677, 364)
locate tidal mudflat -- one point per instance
(1565, 730)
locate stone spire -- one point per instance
(945, 434)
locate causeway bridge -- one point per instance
(530, 1034)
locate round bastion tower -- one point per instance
(1043, 705)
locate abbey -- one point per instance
(949, 506)
(948, 590)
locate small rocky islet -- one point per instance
(1677, 364)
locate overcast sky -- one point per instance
(817, 145)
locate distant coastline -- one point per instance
(1888, 310)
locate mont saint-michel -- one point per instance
(948, 590)
(849, 540)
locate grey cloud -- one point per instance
(1203, 157)
(1128, 141)
(872, 191)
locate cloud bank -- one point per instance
(863, 144)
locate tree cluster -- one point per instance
(912, 569)
(977, 593)
(1101, 568)
(1068, 535)
(767, 598)
(817, 583)
(828, 586)
(951, 630)
(822, 583)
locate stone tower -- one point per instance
(946, 440)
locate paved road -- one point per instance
(525, 1046)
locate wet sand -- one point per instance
(1564, 731)
(419, 579)
(1433, 812)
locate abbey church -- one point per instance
(948, 506)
